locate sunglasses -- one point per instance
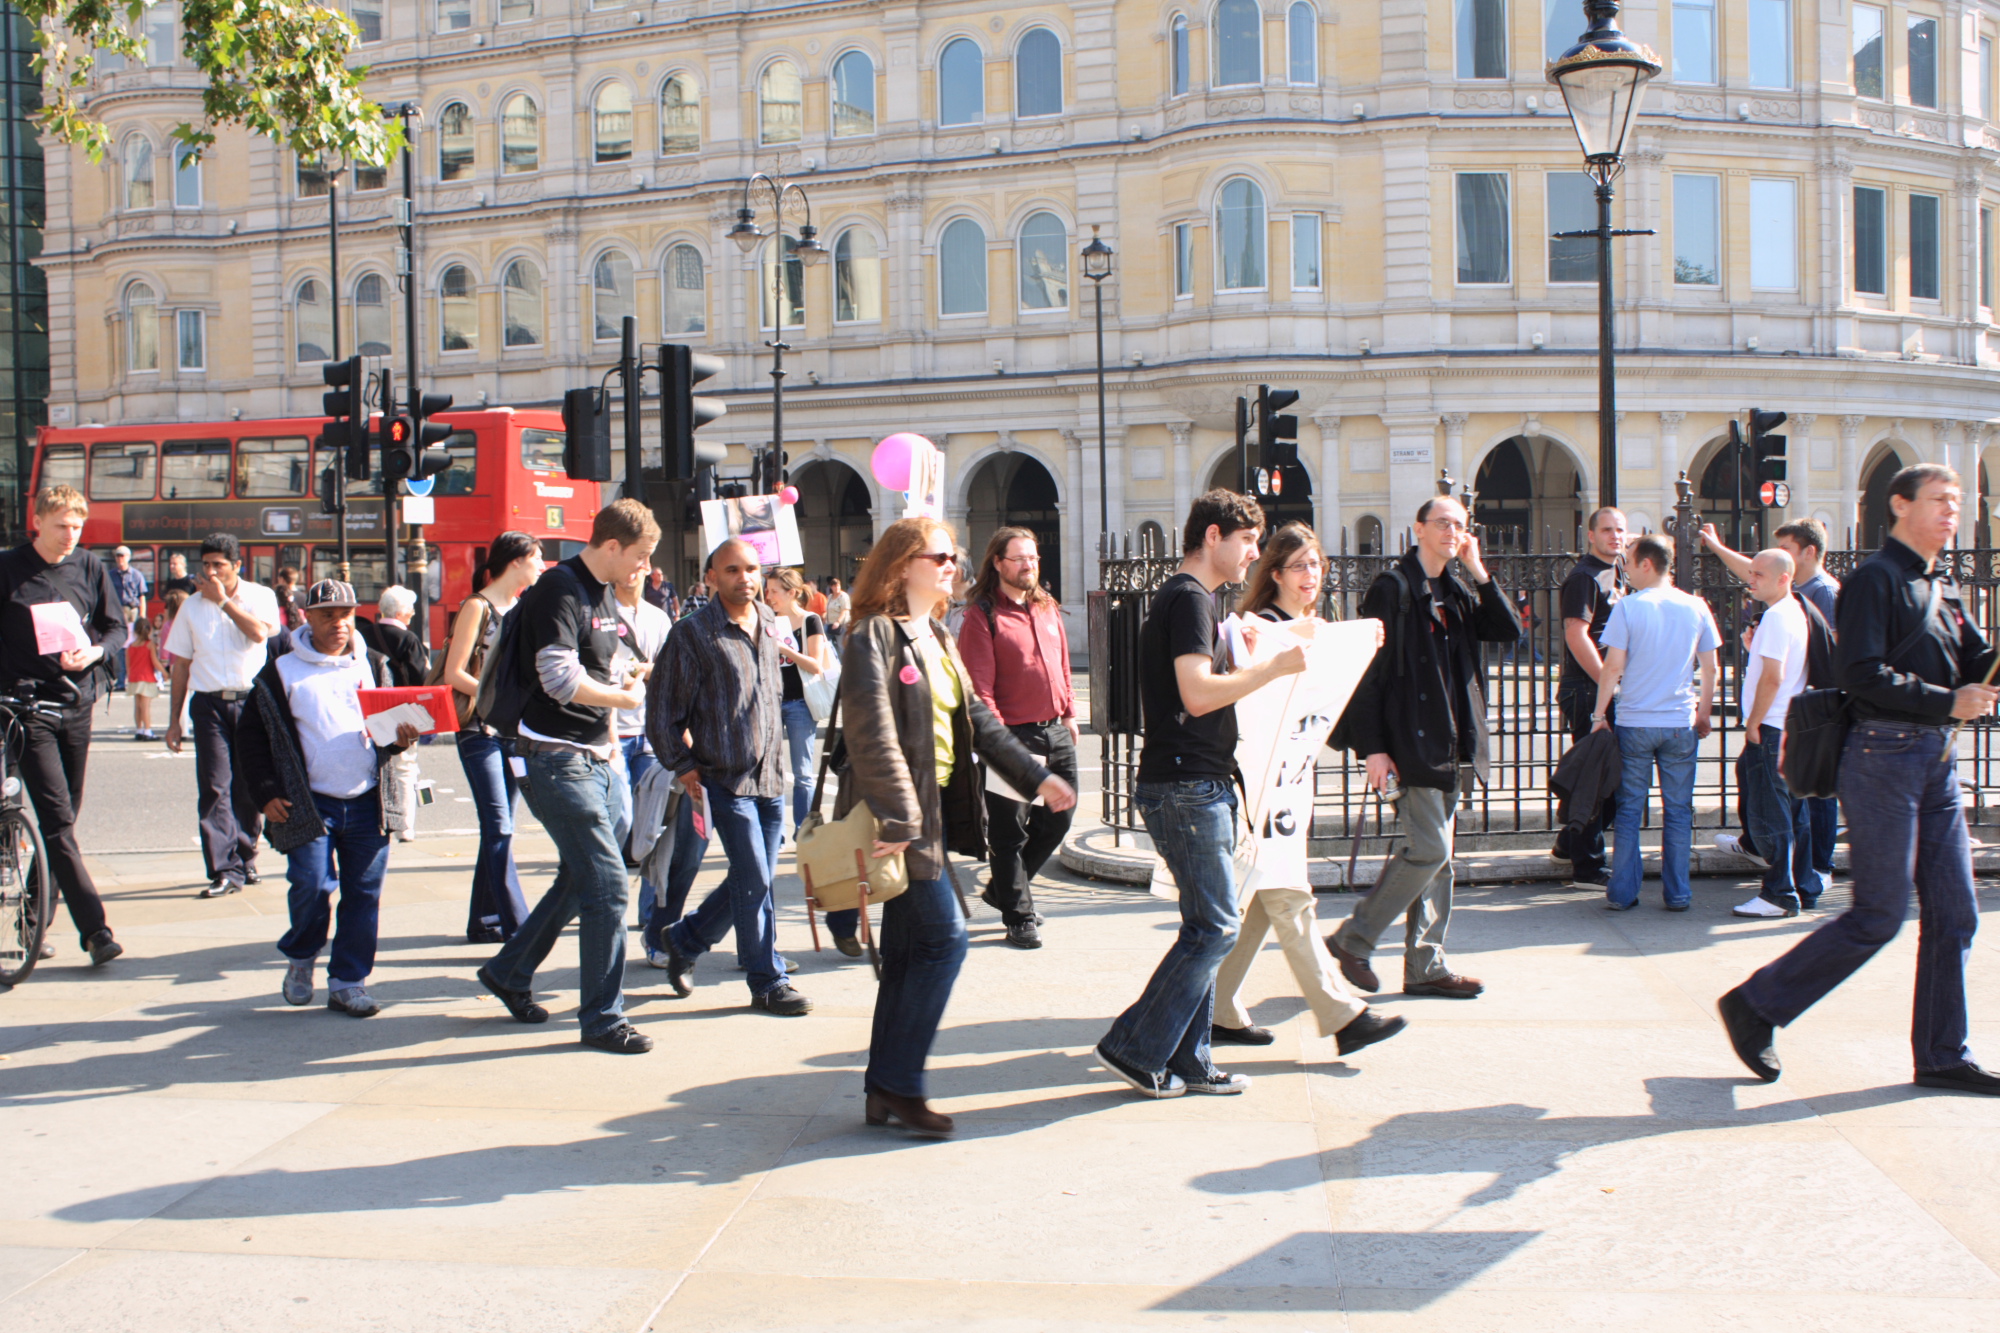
(938, 558)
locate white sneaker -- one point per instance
(298, 987)
(353, 1001)
(1731, 843)
(654, 958)
(1763, 908)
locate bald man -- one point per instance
(1777, 671)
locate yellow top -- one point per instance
(946, 695)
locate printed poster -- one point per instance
(771, 528)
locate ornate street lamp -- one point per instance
(747, 234)
(1097, 267)
(1602, 79)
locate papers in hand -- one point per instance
(382, 726)
(58, 628)
(999, 786)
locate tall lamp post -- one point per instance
(1602, 79)
(1097, 267)
(747, 234)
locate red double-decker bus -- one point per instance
(160, 489)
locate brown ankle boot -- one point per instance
(910, 1112)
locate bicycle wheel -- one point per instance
(27, 896)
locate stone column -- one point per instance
(1850, 476)
(1079, 564)
(1941, 450)
(1454, 449)
(1115, 476)
(1183, 465)
(1329, 479)
(1412, 471)
(1670, 461)
(1798, 464)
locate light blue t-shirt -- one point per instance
(1661, 630)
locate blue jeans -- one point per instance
(1778, 819)
(749, 827)
(497, 900)
(1823, 813)
(923, 946)
(1193, 824)
(354, 843)
(800, 733)
(577, 799)
(1905, 831)
(1673, 750)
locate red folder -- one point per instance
(435, 698)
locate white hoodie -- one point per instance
(324, 695)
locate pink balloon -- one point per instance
(893, 459)
(788, 496)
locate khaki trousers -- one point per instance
(1289, 912)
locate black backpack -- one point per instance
(504, 688)
(1819, 647)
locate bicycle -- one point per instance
(27, 889)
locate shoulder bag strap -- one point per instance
(825, 753)
(1923, 626)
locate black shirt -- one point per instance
(409, 660)
(84, 582)
(567, 610)
(795, 686)
(1180, 621)
(1881, 604)
(1591, 590)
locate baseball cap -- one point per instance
(330, 592)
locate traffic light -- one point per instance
(586, 435)
(1766, 448)
(681, 368)
(1277, 436)
(430, 459)
(347, 431)
(399, 454)
(329, 488)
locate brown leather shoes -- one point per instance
(1359, 973)
(1450, 986)
(912, 1113)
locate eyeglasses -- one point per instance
(1302, 567)
(1020, 560)
(938, 558)
(1447, 524)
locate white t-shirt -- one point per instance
(651, 624)
(1779, 645)
(325, 698)
(220, 657)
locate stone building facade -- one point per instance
(1350, 199)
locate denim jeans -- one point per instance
(1022, 837)
(1673, 750)
(1586, 851)
(497, 900)
(352, 856)
(1905, 831)
(1778, 819)
(1823, 813)
(577, 799)
(800, 733)
(923, 946)
(749, 827)
(1193, 824)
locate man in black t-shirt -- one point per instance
(1186, 795)
(568, 631)
(1594, 585)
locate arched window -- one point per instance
(1044, 263)
(521, 305)
(187, 177)
(312, 314)
(1183, 64)
(857, 276)
(613, 121)
(458, 311)
(611, 294)
(520, 135)
(779, 96)
(455, 143)
(1239, 236)
(372, 325)
(962, 269)
(961, 78)
(1038, 79)
(853, 95)
(1239, 43)
(142, 319)
(1302, 43)
(138, 172)
(795, 284)
(686, 304)
(680, 116)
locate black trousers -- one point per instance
(53, 753)
(230, 819)
(1586, 851)
(1020, 838)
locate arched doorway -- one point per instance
(1875, 516)
(836, 524)
(1528, 495)
(1725, 494)
(1292, 504)
(1014, 490)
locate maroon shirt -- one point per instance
(1019, 660)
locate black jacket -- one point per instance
(1589, 772)
(85, 583)
(1881, 605)
(409, 660)
(1403, 707)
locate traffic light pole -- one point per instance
(390, 485)
(333, 294)
(1242, 446)
(420, 569)
(629, 372)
